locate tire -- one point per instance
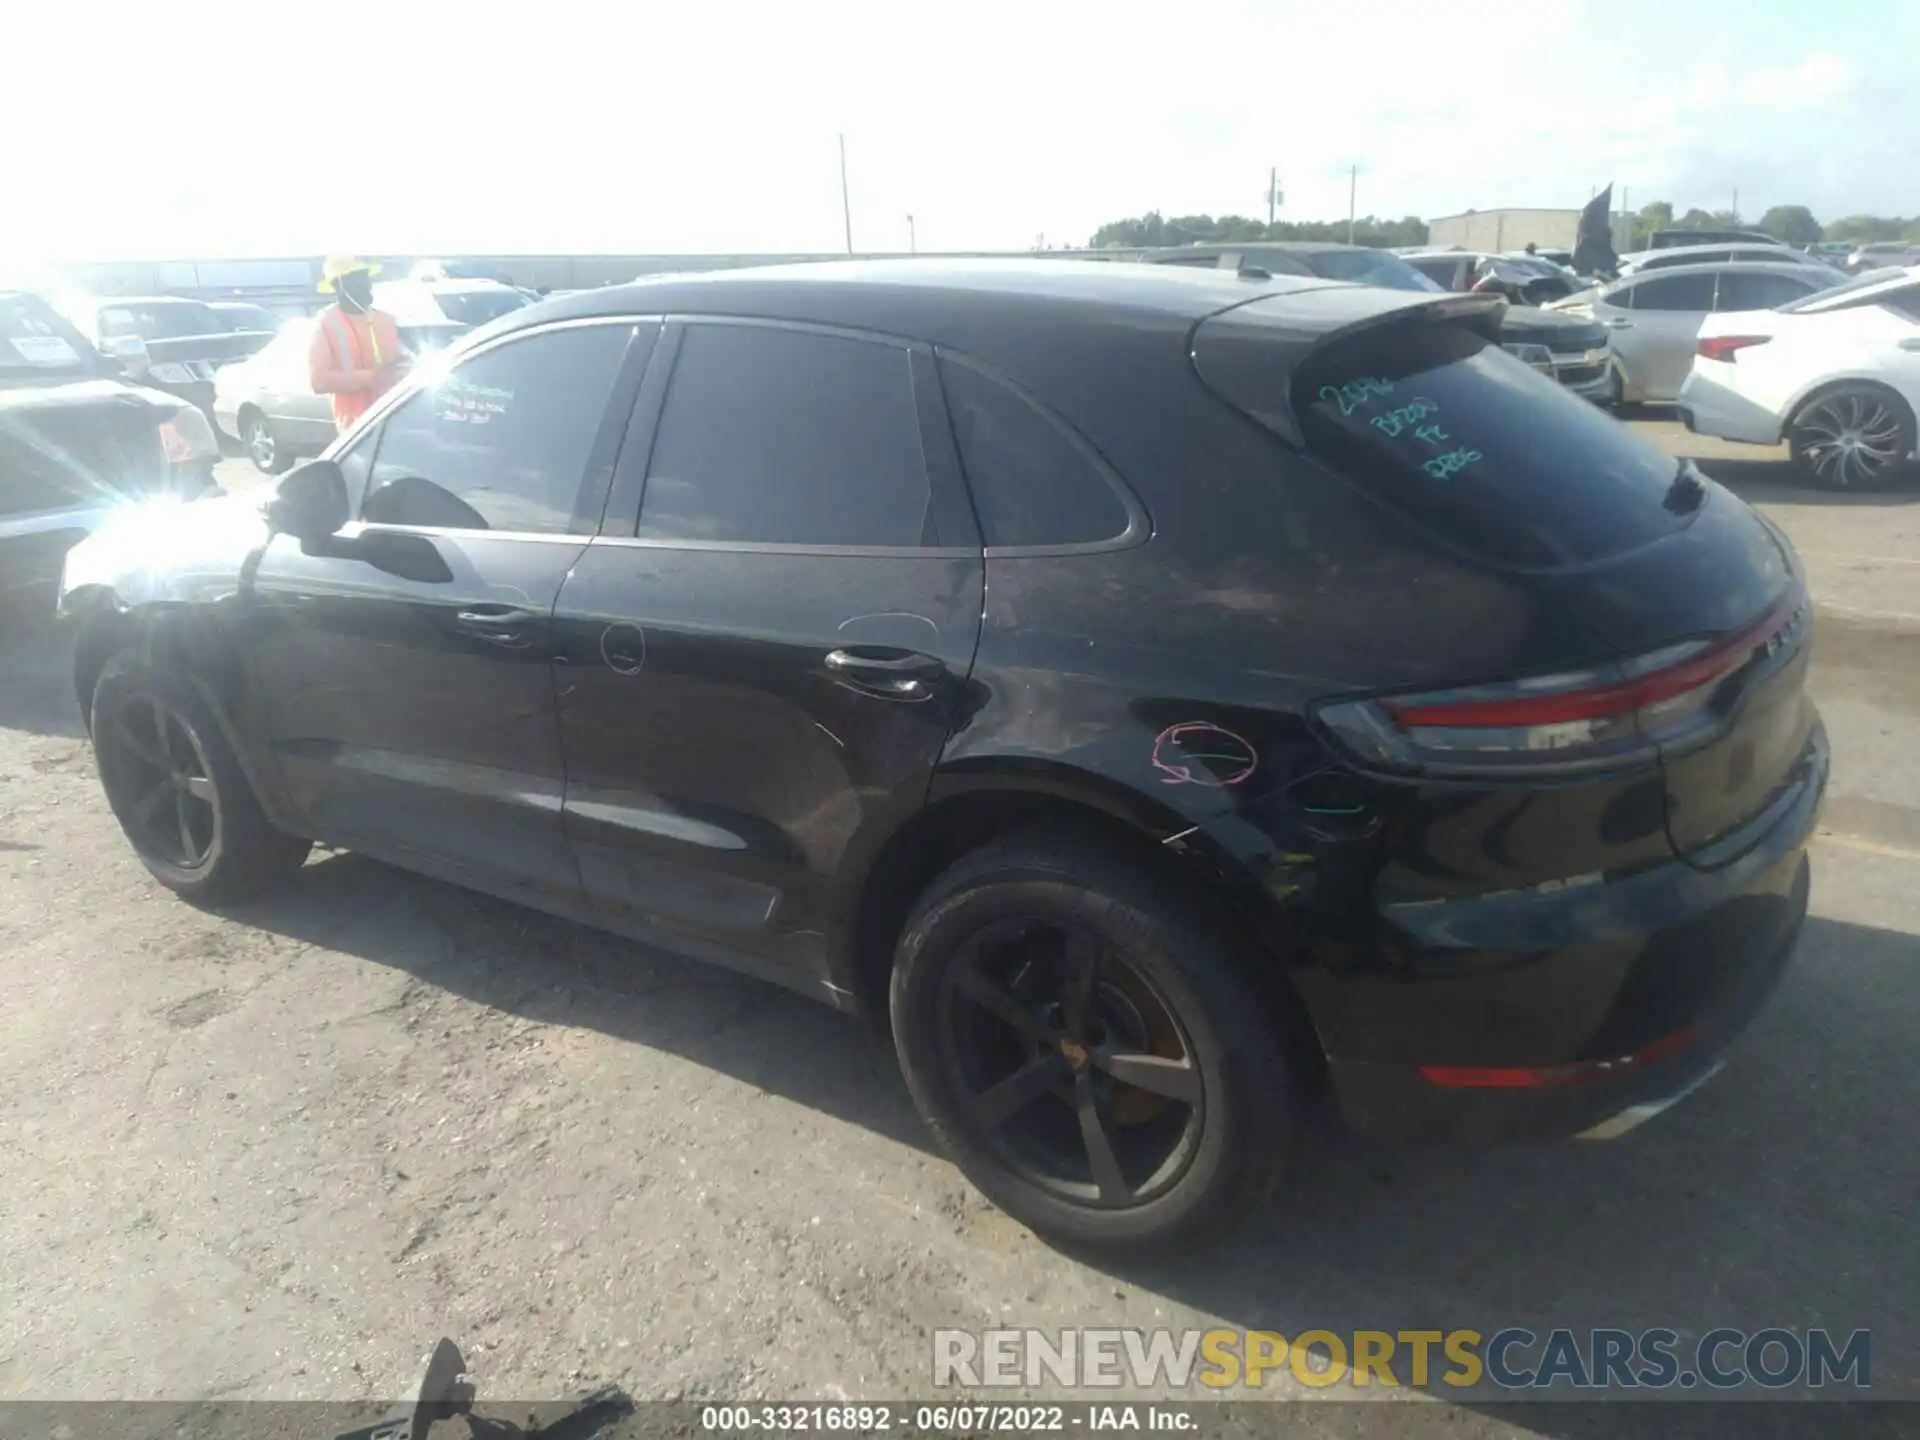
(1005, 922)
(264, 448)
(166, 766)
(1853, 437)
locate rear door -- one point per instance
(763, 654)
(1655, 324)
(405, 664)
(1762, 290)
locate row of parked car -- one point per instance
(1754, 340)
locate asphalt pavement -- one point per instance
(275, 1154)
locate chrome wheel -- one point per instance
(1851, 439)
(159, 782)
(261, 448)
(1070, 1067)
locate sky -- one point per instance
(202, 128)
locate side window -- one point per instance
(501, 441)
(1443, 271)
(788, 437)
(1748, 291)
(1196, 262)
(1032, 483)
(1674, 292)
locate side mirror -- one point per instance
(310, 503)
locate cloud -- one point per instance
(1819, 78)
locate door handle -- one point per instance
(501, 625)
(899, 674)
(1619, 324)
(1913, 344)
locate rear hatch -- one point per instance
(1698, 597)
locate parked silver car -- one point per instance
(1654, 317)
(1642, 261)
(266, 401)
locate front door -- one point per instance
(756, 680)
(407, 669)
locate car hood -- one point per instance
(166, 551)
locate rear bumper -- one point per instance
(1707, 407)
(1670, 964)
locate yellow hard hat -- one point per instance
(337, 265)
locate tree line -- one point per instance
(1794, 224)
(1153, 229)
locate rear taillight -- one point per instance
(1727, 347)
(1577, 720)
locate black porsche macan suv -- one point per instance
(1163, 694)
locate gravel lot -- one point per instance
(277, 1153)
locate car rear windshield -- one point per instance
(34, 340)
(161, 320)
(1439, 422)
(1834, 296)
(476, 307)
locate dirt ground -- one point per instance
(277, 1153)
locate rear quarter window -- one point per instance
(1033, 483)
(1478, 448)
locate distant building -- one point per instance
(1499, 230)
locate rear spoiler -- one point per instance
(1249, 353)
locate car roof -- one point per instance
(1084, 335)
(1715, 267)
(1640, 257)
(919, 292)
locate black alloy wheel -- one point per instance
(160, 782)
(177, 787)
(1075, 1072)
(1091, 1052)
(1855, 437)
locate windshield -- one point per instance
(1369, 267)
(1821, 299)
(476, 307)
(160, 319)
(34, 340)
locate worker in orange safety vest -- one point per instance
(356, 355)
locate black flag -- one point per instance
(1593, 241)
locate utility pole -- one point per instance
(1353, 186)
(1273, 186)
(1626, 215)
(913, 246)
(1736, 204)
(846, 206)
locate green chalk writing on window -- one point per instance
(1351, 395)
(1414, 411)
(1451, 463)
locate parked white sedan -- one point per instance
(1836, 375)
(1655, 318)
